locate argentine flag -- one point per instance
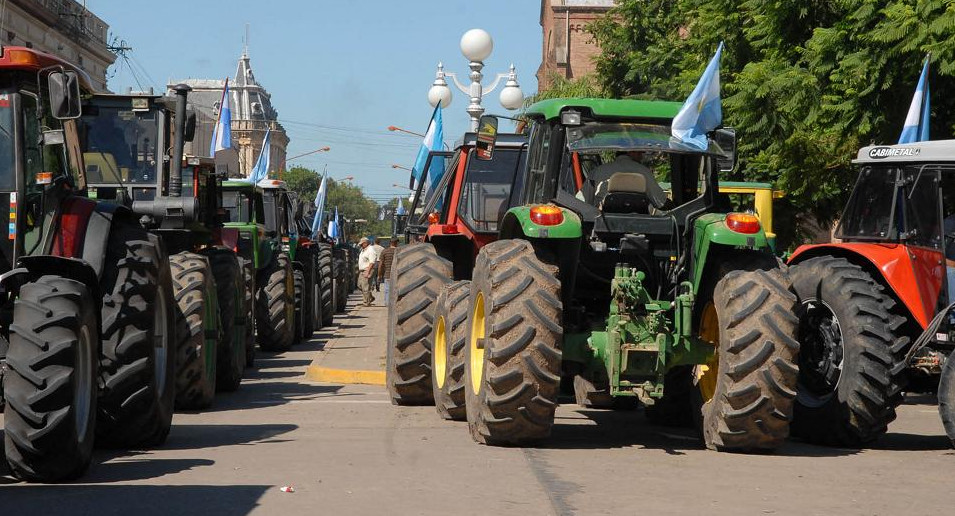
(261, 169)
(433, 140)
(702, 112)
(333, 226)
(319, 206)
(916, 124)
(222, 134)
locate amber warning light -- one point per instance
(547, 215)
(743, 223)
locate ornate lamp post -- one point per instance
(476, 45)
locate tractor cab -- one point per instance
(610, 170)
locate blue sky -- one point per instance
(339, 72)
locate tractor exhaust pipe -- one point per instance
(175, 168)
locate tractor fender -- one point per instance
(517, 223)
(30, 268)
(711, 234)
(267, 249)
(83, 228)
(915, 275)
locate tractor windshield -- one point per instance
(487, 187)
(237, 206)
(870, 211)
(122, 146)
(627, 163)
(8, 173)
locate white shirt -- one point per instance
(378, 249)
(366, 258)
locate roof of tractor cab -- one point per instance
(272, 184)
(238, 184)
(605, 108)
(920, 152)
(503, 140)
(28, 59)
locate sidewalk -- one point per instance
(355, 349)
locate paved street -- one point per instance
(346, 450)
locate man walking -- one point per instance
(378, 250)
(385, 260)
(366, 262)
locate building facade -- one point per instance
(252, 116)
(64, 28)
(568, 47)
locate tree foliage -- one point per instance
(350, 200)
(805, 83)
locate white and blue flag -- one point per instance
(222, 134)
(319, 206)
(261, 169)
(400, 210)
(333, 226)
(433, 140)
(702, 112)
(916, 124)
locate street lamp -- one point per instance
(476, 45)
(323, 149)
(404, 187)
(400, 130)
(401, 167)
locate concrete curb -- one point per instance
(317, 373)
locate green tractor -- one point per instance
(604, 284)
(256, 212)
(124, 140)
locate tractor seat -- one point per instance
(626, 192)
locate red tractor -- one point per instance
(875, 305)
(86, 342)
(430, 282)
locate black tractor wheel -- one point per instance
(50, 386)
(275, 305)
(418, 276)
(749, 407)
(309, 314)
(513, 356)
(341, 285)
(197, 320)
(325, 284)
(448, 338)
(946, 397)
(137, 358)
(852, 354)
(248, 310)
(298, 289)
(231, 353)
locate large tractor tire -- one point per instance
(231, 352)
(275, 305)
(946, 397)
(198, 330)
(754, 375)
(137, 359)
(418, 276)
(448, 338)
(248, 309)
(50, 387)
(513, 357)
(852, 354)
(298, 289)
(309, 294)
(341, 285)
(325, 284)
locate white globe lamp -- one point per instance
(476, 45)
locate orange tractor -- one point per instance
(875, 305)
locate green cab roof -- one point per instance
(238, 184)
(611, 108)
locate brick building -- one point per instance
(64, 28)
(568, 48)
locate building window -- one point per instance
(11, 36)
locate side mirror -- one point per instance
(486, 137)
(726, 139)
(189, 131)
(64, 95)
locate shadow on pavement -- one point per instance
(913, 442)
(136, 500)
(623, 428)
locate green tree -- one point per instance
(804, 83)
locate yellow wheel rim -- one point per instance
(440, 353)
(707, 374)
(476, 361)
